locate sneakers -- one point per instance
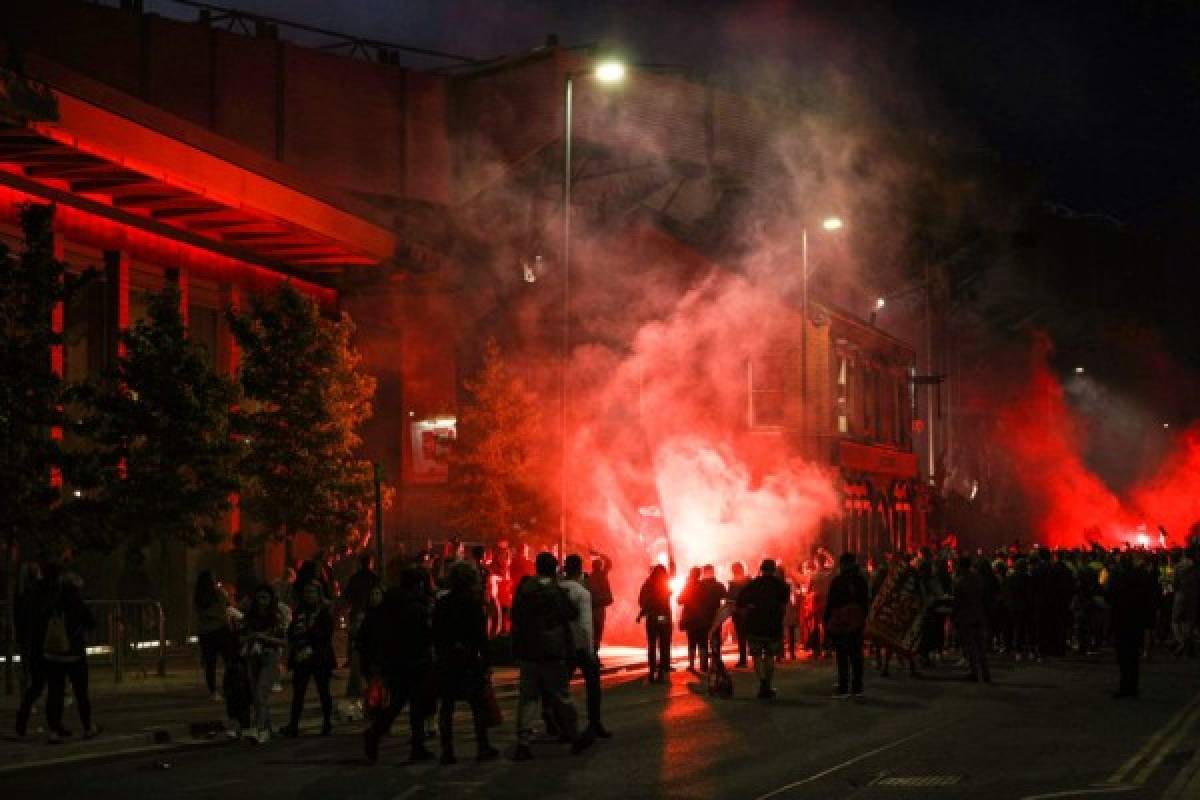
(857, 694)
(260, 736)
(522, 753)
(840, 694)
(92, 732)
(276, 687)
(54, 738)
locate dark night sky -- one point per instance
(1101, 99)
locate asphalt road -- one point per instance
(1046, 730)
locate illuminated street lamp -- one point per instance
(1080, 370)
(606, 73)
(830, 224)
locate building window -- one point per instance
(766, 378)
(431, 441)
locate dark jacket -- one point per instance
(763, 602)
(76, 615)
(654, 599)
(541, 617)
(849, 588)
(970, 605)
(310, 638)
(460, 644)
(357, 593)
(395, 638)
(709, 594)
(1130, 598)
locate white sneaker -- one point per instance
(277, 687)
(262, 736)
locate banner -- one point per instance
(896, 611)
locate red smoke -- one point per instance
(1072, 505)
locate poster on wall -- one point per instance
(431, 442)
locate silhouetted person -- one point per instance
(971, 618)
(736, 585)
(602, 597)
(763, 603)
(1129, 599)
(212, 628)
(310, 656)
(395, 644)
(654, 601)
(845, 618)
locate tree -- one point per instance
(492, 461)
(161, 423)
(32, 284)
(307, 399)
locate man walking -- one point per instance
(970, 619)
(542, 642)
(736, 585)
(845, 618)
(582, 633)
(1129, 599)
(763, 603)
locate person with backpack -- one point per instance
(212, 627)
(542, 643)
(460, 644)
(845, 619)
(310, 657)
(68, 623)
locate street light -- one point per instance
(607, 73)
(830, 224)
(1080, 370)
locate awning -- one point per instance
(149, 179)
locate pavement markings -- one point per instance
(843, 765)
(1163, 739)
(409, 792)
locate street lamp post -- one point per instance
(608, 73)
(829, 224)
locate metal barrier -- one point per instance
(126, 630)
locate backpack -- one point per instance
(56, 645)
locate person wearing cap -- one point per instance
(762, 605)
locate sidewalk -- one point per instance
(147, 714)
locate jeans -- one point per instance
(446, 720)
(264, 669)
(213, 644)
(587, 663)
(658, 646)
(300, 677)
(544, 682)
(57, 676)
(848, 648)
(402, 690)
(35, 671)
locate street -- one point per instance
(1042, 730)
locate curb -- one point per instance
(1187, 782)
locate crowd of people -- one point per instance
(424, 640)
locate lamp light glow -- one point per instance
(610, 72)
(832, 223)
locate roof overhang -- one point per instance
(55, 139)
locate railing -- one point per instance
(126, 630)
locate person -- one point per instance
(970, 619)
(461, 654)
(282, 586)
(395, 644)
(1186, 585)
(584, 656)
(23, 603)
(599, 584)
(212, 628)
(845, 619)
(763, 603)
(482, 561)
(710, 594)
(654, 600)
(310, 657)
(356, 596)
(1018, 592)
(821, 582)
(68, 621)
(689, 622)
(263, 635)
(36, 605)
(1128, 599)
(736, 585)
(542, 642)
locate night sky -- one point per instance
(1102, 100)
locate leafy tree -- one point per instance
(161, 423)
(307, 399)
(32, 394)
(492, 460)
